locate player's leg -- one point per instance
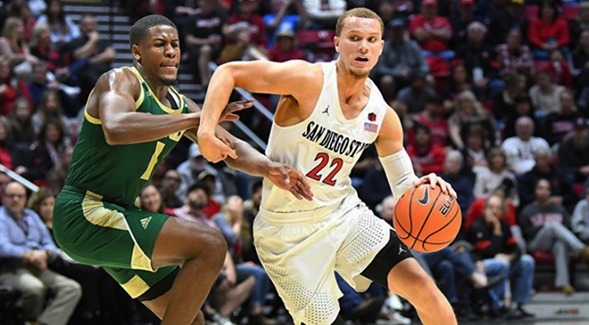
(201, 251)
(158, 306)
(407, 279)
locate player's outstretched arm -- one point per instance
(292, 78)
(116, 92)
(396, 162)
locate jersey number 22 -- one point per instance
(316, 173)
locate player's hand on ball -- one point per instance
(289, 179)
(434, 180)
(229, 112)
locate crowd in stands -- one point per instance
(493, 95)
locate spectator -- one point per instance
(520, 149)
(50, 108)
(286, 48)
(247, 11)
(523, 107)
(562, 191)
(427, 157)
(545, 94)
(92, 54)
(461, 183)
(57, 175)
(545, 226)
(497, 247)
(432, 32)
(20, 9)
(548, 32)
(509, 212)
(503, 103)
(151, 200)
(42, 81)
(464, 16)
(416, 96)
(204, 37)
(170, 186)
(558, 125)
(475, 151)
(433, 118)
(324, 13)
(14, 46)
(514, 56)
(560, 69)
(10, 87)
(580, 70)
(573, 153)
(242, 48)
(479, 58)
(578, 25)
(505, 19)
(47, 152)
(21, 122)
(401, 58)
(283, 16)
(469, 112)
(460, 81)
(63, 29)
(580, 219)
(57, 58)
(493, 177)
(27, 248)
(191, 168)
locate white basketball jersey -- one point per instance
(324, 147)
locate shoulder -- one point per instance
(118, 80)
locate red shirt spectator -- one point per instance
(285, 48)
(438, 30)
(426, 156)
(246, 12)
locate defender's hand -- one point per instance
(229, 112)
(215, 149)
(434, 180)
(290, 179)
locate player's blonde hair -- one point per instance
(360, 13)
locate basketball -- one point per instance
(427, 220)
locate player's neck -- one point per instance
(160, 90)
(350, 87)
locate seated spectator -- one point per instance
(150, 199)
(558, 125)
(241, 47)
(505, 18)
(10, 88)
(580, 71)
(92, 55)
(509, 212)
(50, 108)
(479, 58)
(247, 11)
(548, 31)
(204, 37)
(42, 81)
(57, 58)
(14, 47)
(427, 157)
(459, 81)
(523, 107)
(401, 58)
(469, 111)
(545, 226)
(169, 188)
(432, 32)
(21, 122)
(47, 152)
(20, 9)
(191, 168)
(63, 29)
(496, 247)
(475, 151)
(514, 56)
(562, 191)
(579, 25)
(433, 118)
(26, 249)
(416, 96)
(545, 94)
(323, 14)
(503, 103)
(285, 48)
(463, 17)
(57, 175)
(461, 183)
(520, 149)
(493, 177)
(580, 219)
(573, 153)
(6, 144)
(284, 14)
(560, 69)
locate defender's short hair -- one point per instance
(140, 29)
(360, 13)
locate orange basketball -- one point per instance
(426, 219)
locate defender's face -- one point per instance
(360, 44)
(159, 54)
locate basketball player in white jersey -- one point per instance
(328, 114)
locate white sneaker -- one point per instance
(399, 319)
(221, 320)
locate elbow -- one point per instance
(112, 136)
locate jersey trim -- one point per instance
(91, 118)
(135, 287)
(162, 106)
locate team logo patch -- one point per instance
(372, 117)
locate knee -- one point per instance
(33, 290)
(528, 262)
(72, 289)
(445, 270)
(215, 250)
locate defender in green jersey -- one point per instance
(132, 120)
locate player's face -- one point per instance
(159, 54)
(360, 44)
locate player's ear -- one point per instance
(136, 52)
(336, 43)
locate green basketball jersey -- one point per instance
(119, 172)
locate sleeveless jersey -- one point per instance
(119, 172)
(324, 147)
